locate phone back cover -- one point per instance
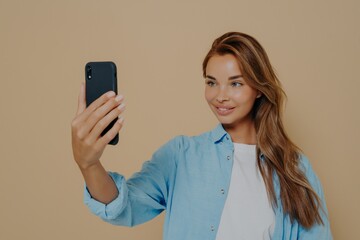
(103, 79)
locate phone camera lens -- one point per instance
(88, 72)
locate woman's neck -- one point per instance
(242, 132)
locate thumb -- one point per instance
(81, 100)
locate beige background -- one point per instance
(158, 47)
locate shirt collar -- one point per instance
(218, 133)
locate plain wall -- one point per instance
(159, 47)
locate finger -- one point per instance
(105, 121)
(98, 114)
(95, 105)
(104, 140)
(81, 100)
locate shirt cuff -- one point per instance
(113, 209)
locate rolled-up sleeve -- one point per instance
(144, 195)
(114, 208)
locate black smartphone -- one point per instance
(101, 77)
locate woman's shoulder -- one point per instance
(186, 141)
(180, 145)
(210, 136)
(201, 140)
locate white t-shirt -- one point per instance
(247, 213)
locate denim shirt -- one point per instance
(189, 177)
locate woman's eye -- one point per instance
(210, 83)
(236, 84)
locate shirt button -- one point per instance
(222, 191)
(228, 157)
(212, 228)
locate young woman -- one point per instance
(244, 179)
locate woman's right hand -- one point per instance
(88, 124)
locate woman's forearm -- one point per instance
(100, 185)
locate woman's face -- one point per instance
(228, 95)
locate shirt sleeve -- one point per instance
(318, 231)
(145, 194)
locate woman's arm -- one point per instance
(99, 184)
(145, 194)
(88, 144)
(109, 195)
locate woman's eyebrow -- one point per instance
(210, 77)
(230, 78)
(235, 77)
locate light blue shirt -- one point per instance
(189, 177)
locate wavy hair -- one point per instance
(276, 153)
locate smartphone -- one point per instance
(101, 77)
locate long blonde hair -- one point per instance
(279, 154)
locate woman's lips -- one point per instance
(223, 111)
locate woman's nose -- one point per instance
(222, 95)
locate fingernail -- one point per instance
(121, 106)
(120, 120)
(110, 94)
(119, 98)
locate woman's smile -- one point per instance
(224, 111)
